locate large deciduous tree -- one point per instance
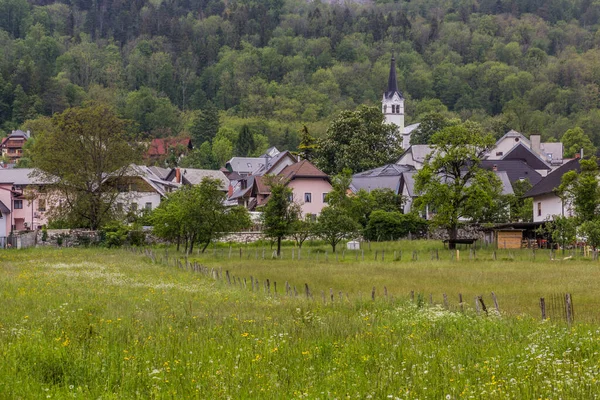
(582, 190)
(451, 184)
(85, 146)
(358, 140)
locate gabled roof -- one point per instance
(20, 176)
(515, 169)
(410, 128)
(273, 162)
(522, 152)
(162, 173)
(392, 87)
(149, 176)
(385, 177)
(193, 176)
(408, 180)
(552, 181)
(418, 151)
(160, 146)
(512, 134)
(302, 169)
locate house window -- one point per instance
(307, 197)
(42, 205)
(148, 206)
(134, 206)
(18, 204)
(384, 109)
(325, 197)
(539, 209)
(311, 217)
(120, 207)
(290, 197)
(499, 153)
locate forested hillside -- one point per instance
(273, 65)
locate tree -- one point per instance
(206, 125)
(574, 140)
(245, 143)
(590, 230)
(308, 145)
(390, 225)
(302, 229)
(85, 146)
(581, 190)
(334, 224)
(197, 214)
(520, 207)
(562, 230)
(280, 212)
(358, 140)
(451, 184)
(430, 124)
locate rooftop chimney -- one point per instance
(495, 168)
(577, 155)
(177, 175)
(536, 143)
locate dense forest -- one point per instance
(269, 66)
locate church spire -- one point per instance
(392, 81)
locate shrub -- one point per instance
(114, 234)
(384, 225)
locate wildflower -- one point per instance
(245, 334)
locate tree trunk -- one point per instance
(178, 242)
(205, 246)
(452, 234)
(333, 246)
(278, 246)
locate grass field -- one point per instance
(518, 277)
(97, 323)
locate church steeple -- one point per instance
(392, 105)
(392, 87)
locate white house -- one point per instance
(546, 203)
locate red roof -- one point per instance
(159, 147)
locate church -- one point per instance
(392, 107)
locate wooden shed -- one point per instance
(509, 238)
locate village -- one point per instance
(26, 197)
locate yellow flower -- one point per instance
(245, 334)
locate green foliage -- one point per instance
(285, 63)
(590, 231)
(562, 230)
(335, 224)
(245, 143)
(392, 225)
(574, 140)
(451, 185)
(196, 215)
(430, 124)
(205, 125)
(308, 147)
(280, 212)
(520, 207)
(84, 146)
(114, 234)
(581, 190)
(358, 140)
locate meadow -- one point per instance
(112, 324)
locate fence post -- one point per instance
(495, 302)
(460, 301)
(569, 307)
(228, 278)
(331, 294)
(445, 301)
(543, 308)
(373, 294)
(307, 290)
(412, 296)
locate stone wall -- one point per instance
(67, 237)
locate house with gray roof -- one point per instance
(385, 177)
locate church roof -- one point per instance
(392, 87)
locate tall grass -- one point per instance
(90, 323)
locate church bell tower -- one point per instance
(392, 105)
